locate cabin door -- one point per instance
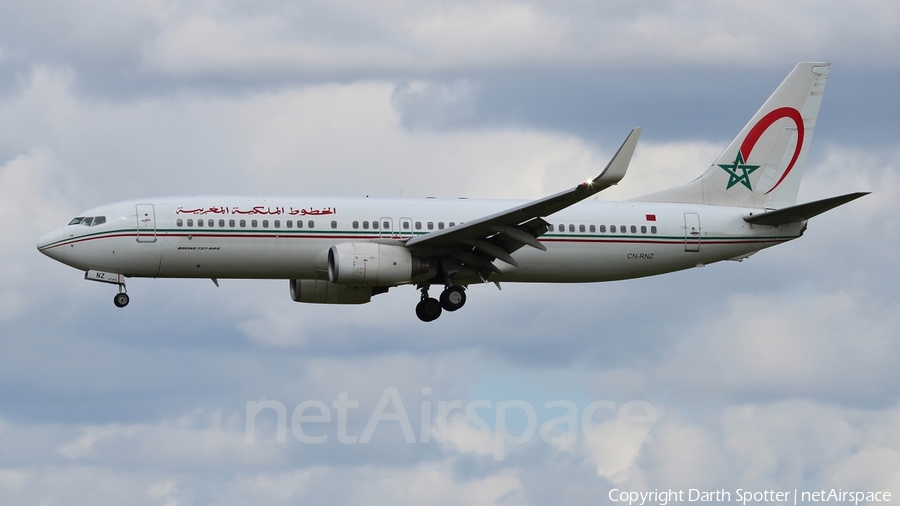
(691, 232)
(146, 223)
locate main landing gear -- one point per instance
(429, 309)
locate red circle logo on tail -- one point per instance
(763, 124)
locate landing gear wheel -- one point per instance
(428, 309)
(453, 298)
(120, 300)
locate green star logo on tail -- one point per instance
(732, 170)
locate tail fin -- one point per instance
(763, 165)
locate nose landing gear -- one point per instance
(121, 299)
(113, 278)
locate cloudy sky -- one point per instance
(775, 373)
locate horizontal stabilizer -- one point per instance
(802, 212)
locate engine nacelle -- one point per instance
(318, 291)
(370, 264)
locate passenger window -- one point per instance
(593, 228)
(76, 221)
(633, 229)
(190, 223)
(277, 223)
(311, 224)
(623, 229)
(253, 223)
(602, 229)
(581, 228)
(405, 225)
(243, 223)
(365, 225)
(452, 224)
(222, 223)
(265, 223)
(643, 229)
(612, 229)
(562, 228)
(386, 225)
(231, 223)
(299, 223)
(549, 227)
(440, 225)
(418, 225)
(199, 223)
(653, 229)
(355, 225)
(375, 225)
(179, 223)
(289, 223)
(571, 227)
(99, 220)
(333, 224)
(430, 225)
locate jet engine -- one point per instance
(323, 292)
(371, 264)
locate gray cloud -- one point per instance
(774, 372)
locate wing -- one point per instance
(477, 243)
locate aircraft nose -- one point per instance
(50, 245)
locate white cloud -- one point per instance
(426, 483)
(463, 437)
(30, 205)
(428, 105)
(681, 453)
(239, 42)
(14, 480)
(827, 315)
(195, 441)
(790, 343)
(167, 492)
(781, 443)
(615, 447)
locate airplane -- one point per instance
(347, 250)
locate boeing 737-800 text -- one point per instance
(345, 250)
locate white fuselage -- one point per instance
(250, 237)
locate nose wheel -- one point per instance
(121, 299)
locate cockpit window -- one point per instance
(91, 221)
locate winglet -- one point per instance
(507, 222)
(616, 168)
